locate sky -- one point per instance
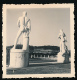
(45, 25)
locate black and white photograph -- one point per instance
(38, 40)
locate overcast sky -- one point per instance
(45, 25)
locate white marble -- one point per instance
(60, 58)
(63, 41)
(24, 25)
(20, 57)
(63, 56)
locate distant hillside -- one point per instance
(47, 47)
(19, 46)
(39, 49)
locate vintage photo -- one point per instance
(38, 40)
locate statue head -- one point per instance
(24, 13)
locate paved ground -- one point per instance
(42, 66)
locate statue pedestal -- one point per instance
(60, 58)
(66, 58)
(63, 59)
(19, 58)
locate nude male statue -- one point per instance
(63, 40)
(24, 25)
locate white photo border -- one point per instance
(13, 6)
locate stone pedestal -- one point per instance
(66, 58)
(60, 58)
(19, 58)
(63, 58)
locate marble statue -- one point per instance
(24, 25)
(63, 55)
(19, 58)
(63, 41)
